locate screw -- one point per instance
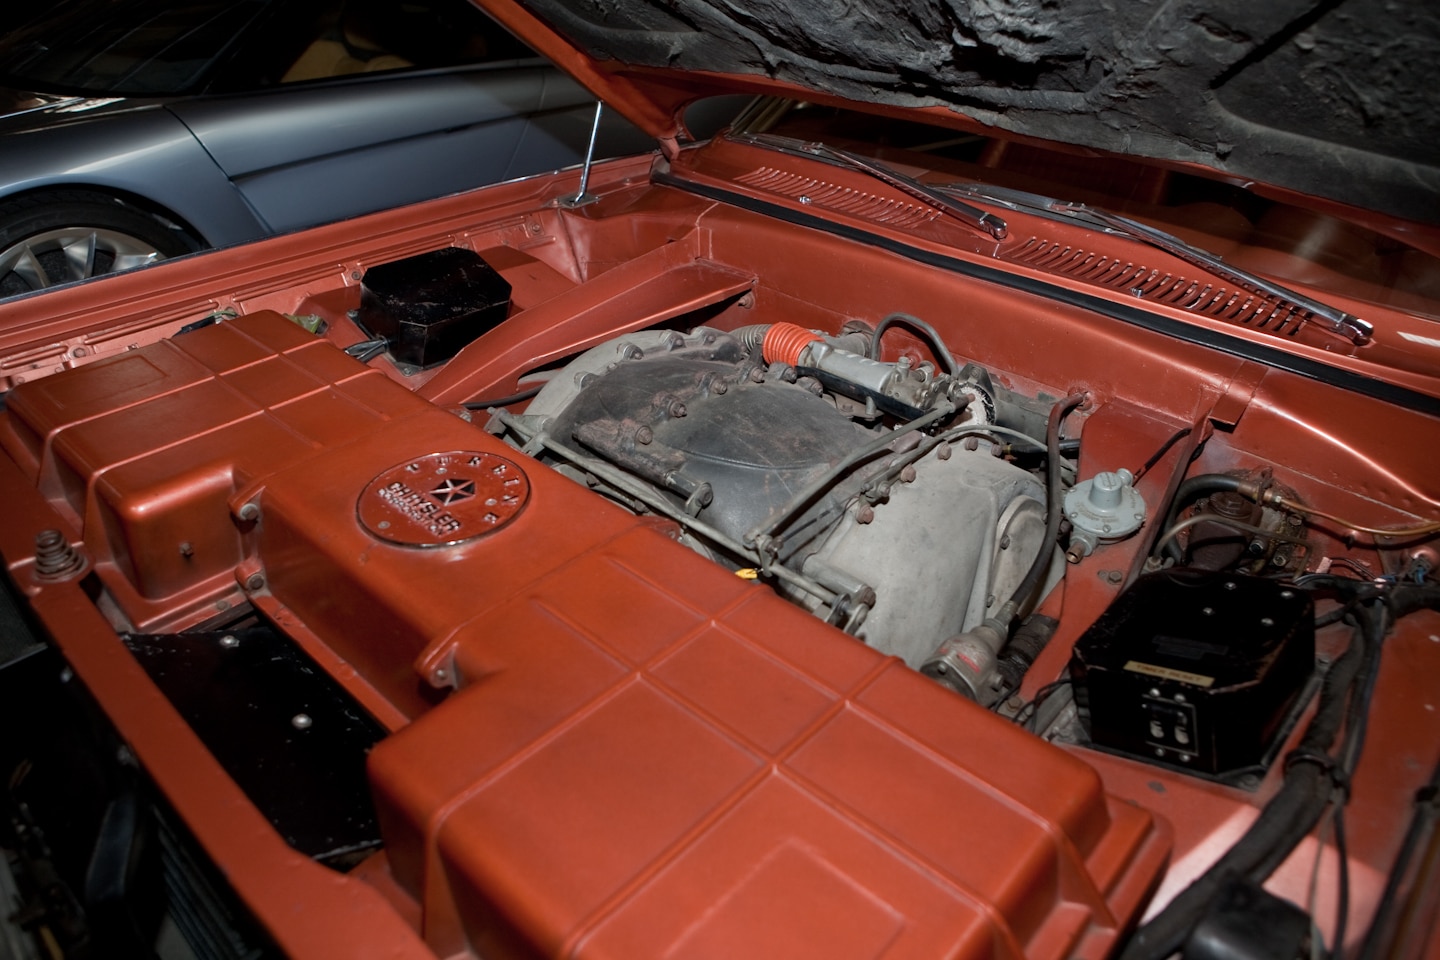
(301, 721)
(229, 641)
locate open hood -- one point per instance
(1329, 99)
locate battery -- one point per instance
(429, 306)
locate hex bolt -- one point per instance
(719, 388)
(677, 410)
(644, 435)
(301, 721)
(1115, 576)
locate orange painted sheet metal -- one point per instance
(713, 774)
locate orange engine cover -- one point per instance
(605, 746)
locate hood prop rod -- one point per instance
(583, 195)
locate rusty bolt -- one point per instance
(644, 435)
(865, 514)
(677, 410)
(719, 388)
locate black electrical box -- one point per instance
(1196, 669)
(427, 307)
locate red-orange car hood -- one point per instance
(1331, 99)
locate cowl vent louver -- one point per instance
(1211, 298)
(832, 196)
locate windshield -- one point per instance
(130, 47)
(1287, 242)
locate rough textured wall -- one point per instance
(1336, 98)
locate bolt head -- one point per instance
(302, 721)
(229, 641)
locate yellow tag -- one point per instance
(748, 573)
(1167, 673)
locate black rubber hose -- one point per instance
(516, 397)
(1054, 509)
(937, 342)
(1305, 792)
(1196, 486)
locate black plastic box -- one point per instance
(1196, 669)
(431, 305)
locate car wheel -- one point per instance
(62, 237)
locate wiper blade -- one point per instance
(1333, 319)
(981, 220)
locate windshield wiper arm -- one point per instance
(981, 220)
(1335, 320)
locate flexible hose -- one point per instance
(1054, 509)
(937, 343)
(1194, 487)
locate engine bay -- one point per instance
(680, 575)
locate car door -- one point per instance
(370, 104)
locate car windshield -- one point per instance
(131, 47)
(1290, 243)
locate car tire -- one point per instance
(63, 236)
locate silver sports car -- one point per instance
(134, 130)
